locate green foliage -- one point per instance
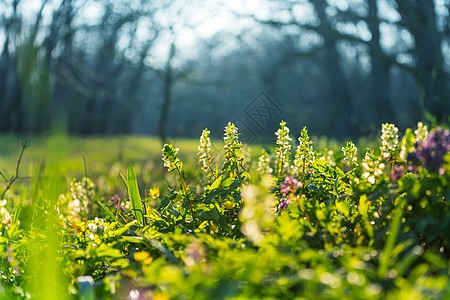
(378, 230)
(135, 198)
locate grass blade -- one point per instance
(135, 198)
(125, 182)
(385, 259)
(109, 213)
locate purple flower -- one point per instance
(397, 172)
(430, 153)
(284, 203)
(290, 185)
(115, 201)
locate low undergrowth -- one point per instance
(294, 223)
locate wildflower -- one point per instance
(407, 144)
(389, 140)
(284, 147)
(228, 205)
(170, 159)
(421, 132)
(397, 172)
(143, 257)
(350, 151)
(284, 203)
(154, 192)
(371, 167)
(5, 217)
(80, 193)
(232, 146)
(430, 153)
(204, 150)
(172, 162)
(92, 227)
(290, 185)
(304, 153)
(263, 164)
(116, 202)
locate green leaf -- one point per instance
(131, 239)
(336, 185)
(386, 257)
(150, 241)
(343, 207)
(135, 198)
(227, 182)
(363, 205)
(313, 187)
(105, 251)
(110, 214)
(320, 215)
(216, 183)
(125, 182)
(213, 194)
(235, 185)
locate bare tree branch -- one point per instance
(10, 181)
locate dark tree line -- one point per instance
(115, 67)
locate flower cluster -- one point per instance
(288, 190)
(421, 132)
(204, 150)
(263, 164)
(304, 153)
(410, 138)
(232, 146)
(407, 144)
(5, 217)
(430, 152)
(170, 159)
(397, 172)
(284, 147)
(94, 228)
(350, 151)
(80, 193)
(389, 140)
(284, 203)
(290, 185)
(116, 202)
(371, 167)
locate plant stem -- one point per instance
(212, 170)
(86, 186)
(281, 168)
(186, 192)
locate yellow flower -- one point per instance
(154, 192)
(228, 205)
(233, 175)
(161, 296)
(143, 257)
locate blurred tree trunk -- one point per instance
(61, 33)
(11, 108)
(167, 93)
(419, 17)
(379, 75)
(341, 104)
